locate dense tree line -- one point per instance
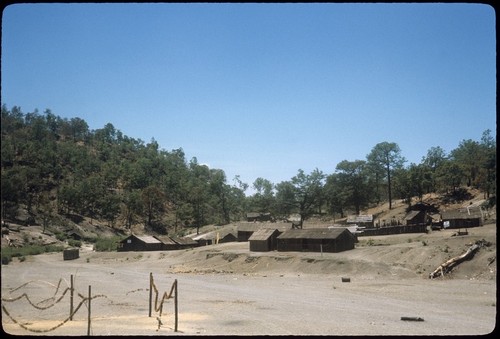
(53, 165)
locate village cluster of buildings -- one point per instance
(265, 235)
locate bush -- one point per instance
(107, 244)
(74, 243)
(21, 252)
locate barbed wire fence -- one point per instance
(158, 304)
(72, 312)
(43, 305)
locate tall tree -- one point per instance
(468, 156)
(352, 181)
(435, 158)
(263, 198)
(386, 155)
(307, 192)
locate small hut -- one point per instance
(71, 253)
(316, 240)
(140, 243)
(264, 240)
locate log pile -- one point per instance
(450, 264)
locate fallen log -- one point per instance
(450, 264)
(412, 319)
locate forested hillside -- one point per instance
(53, 167)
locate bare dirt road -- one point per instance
(226, 290)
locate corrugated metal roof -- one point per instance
(411, 215)
(166, 240)
(464, 213)
(313, 233)
(148, 239)
(252, 227)
(262, 234)
(184, 240)
(360, 218)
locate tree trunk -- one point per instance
(448, 265)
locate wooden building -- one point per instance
(245, 230)
(264, 240)
(140, 243)
(260, 217)
(316, 240)
(364, 220)
(462, 218)
(215, 237)
(168, 243)
(416, 218)
(185, 242)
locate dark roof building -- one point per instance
(316, 240)
(464, 217)
(168, 243)
(215, 237)
(365, 220)
(140, 243)
(416, 217)
(264, 240)
(256, 216)
(245, 230)
(185, 242)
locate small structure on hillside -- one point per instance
(462, 218)
(316, 240)
(264, 240)
(416, 218)
(258, 217)
(364, 220)
(140, 243)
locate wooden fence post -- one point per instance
(150, 291)
(90, 300)
(175, 305)
(71, 299)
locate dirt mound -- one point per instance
(395, 256)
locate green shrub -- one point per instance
(11, 252)
(107, 244)
(74, 243)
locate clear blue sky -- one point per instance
(260, 90)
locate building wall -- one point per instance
(260, 245)
(457, 223)
(134, 244)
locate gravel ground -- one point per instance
(245, 293)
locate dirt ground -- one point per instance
(225, 289)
